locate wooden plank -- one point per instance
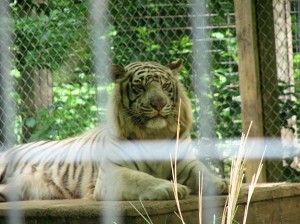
(271, 203)
(250, 85)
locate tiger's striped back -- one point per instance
(54, 169)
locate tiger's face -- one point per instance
(149, 93)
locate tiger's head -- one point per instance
(145, 101)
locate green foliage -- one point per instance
(53, 34)
(43, 36)
(226, 101)
(296, 63)
(72, 112)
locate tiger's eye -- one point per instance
(137, 89)
(166, 85)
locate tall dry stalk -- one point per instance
(236, 180)
(252, 187)
(147, 219)
(200, 196)
(174, 168)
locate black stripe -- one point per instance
(3, 197)
(74, 170)
(2, 176)
(79, 178)
(23, 167)
(49, 164)
(65, 175)
(183, 174)
(135, 165)
(60, 190)
(18, 152)
(149, 167)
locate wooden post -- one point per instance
(37, 94)
(258, 70)
(250, 85)
(43, 93)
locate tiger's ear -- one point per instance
(116, 72)
(175, 66)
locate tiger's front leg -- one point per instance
(188, 175)
(122, 183)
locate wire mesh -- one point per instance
(277, 33)
(53, 62)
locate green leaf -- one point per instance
(30, 122)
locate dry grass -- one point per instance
(174, 176)
(200, 196)
(236, 179)
(174, 168)
(252, 187)
(146, 218)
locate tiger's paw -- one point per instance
(218, 186)
(3, 188)
(164, 191)
(224, 186)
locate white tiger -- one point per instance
(110, 162)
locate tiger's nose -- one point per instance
(158, 105)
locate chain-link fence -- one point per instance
(55, 75)
(286, 29)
